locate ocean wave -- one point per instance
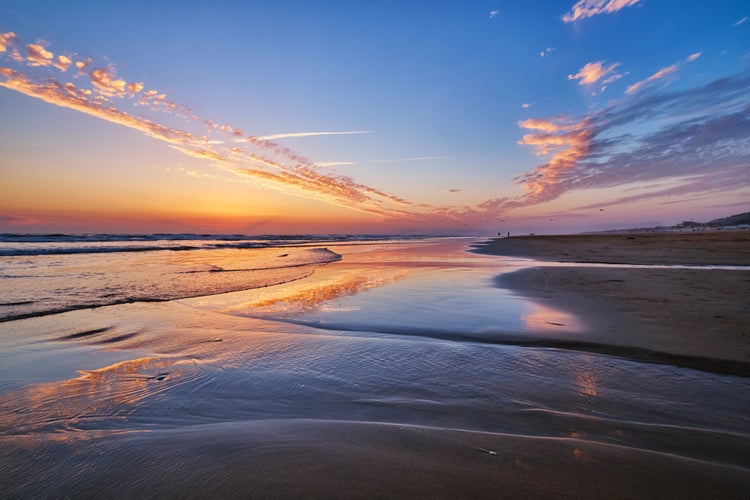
(63, 244)
(86, 281)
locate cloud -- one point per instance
(543, 124)
(82, 65)
(273, 137)
(656, 76)
(133, 88)
(526, 105)
(451, 191)
(415, 158)
(589, 8)
(546, 52)
(741, 21)
(494, 13)
(593, 72)
(333, 163)
(6, 40)
(62, 63)
(697, 141)
(690, 141)
(103, 80)
(37, 55)
(693, 57)
(265, 165)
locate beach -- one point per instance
(685, 311)
(361, 369)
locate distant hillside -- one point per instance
(732, 220)
(739, 221)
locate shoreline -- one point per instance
(731, 248)
(689, 317)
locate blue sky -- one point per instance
(459, 116)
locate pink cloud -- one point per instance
(62, 63)
(82, 65)
(265, 166)
(543, 124)
(590, 8)
(37, 55)
(656, 76)
(7, 39)
(593, 72)
(133, 88)
(103, 80)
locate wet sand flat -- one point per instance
(689, 312)
(698, 248)
(327, 459)
(402, 370)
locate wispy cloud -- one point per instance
(593, 72)
(274, 137)
(656, 76)
(494, 13)
(546, 52)
(590, 8)
(662, 73)
(695, 140)
(741, 21)
(333, 163)
(255, 159)
(698, 142)
(415, 158)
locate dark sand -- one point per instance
(700, 248)
(689, 313)
(325, 459)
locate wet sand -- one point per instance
(689, 313)
(325, 459)
(699, 248)
(383, 375)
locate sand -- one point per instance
(686, 313)
(691, 248)
(329, 459)
(182, 399)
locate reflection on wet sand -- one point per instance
(108, 394)
(542, 318)
(307, 296)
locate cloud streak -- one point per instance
(593, 72)
(662, 73)
(413, 158)
(656, 76)
(697, 141)
(274, 137)
(590, 8)
(255, 159)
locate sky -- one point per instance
(372, 116)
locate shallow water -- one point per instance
(394, 333)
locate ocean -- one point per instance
(157, 356)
